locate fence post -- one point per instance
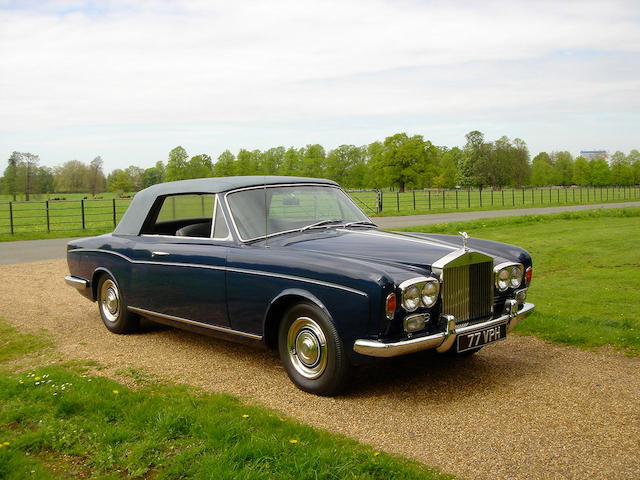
(492, 196)
(429, 199)
(114, 212)
(48, 223)
(456, 199)
(444, 194)
(82, 208)
(502, 192)
(11, 216)
(469, 197)
(522, 195)
(414, 199)
(398, 200)
(480, 195)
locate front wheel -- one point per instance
(113, 308)
(311, 350)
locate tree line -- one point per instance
(399, 162)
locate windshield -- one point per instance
(290, 208)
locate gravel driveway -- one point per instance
(518, 409)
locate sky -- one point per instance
(129, 81)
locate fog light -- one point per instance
(413, 323)
(521, 296)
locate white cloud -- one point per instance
(278, 66)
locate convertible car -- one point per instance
(294, 264)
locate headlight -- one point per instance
(508, 275)
(430, 293)
(516, 276)
(419, 292)
(411, 298)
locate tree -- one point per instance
(177, 164)
(313, 161)
(345, 164)
(541, 170)
(46, 180)
(136, 175)
(600, 174)
(403, 159)
(272, 160)
(28, 170)
(72, 177)
(119, 181)
(96, 181)
(11, 174)
(153, 175)
(247, 163)
(581, 172)
(475, 168)
(563, 167)
(621, 171)
(291, 164)
(634, 160)
(224, 166)
(448, 176)
(200, 166)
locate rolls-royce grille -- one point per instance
(467, 291)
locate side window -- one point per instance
(185, 216)
(220, 227)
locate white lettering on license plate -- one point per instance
(484, 337)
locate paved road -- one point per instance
(37, 250)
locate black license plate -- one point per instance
(469, 341)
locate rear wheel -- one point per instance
(113, 308)
(311, 350)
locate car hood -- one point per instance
(384, 247)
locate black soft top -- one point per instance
(132, 220)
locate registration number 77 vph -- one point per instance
(477, 339)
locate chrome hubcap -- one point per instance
(307, 347)
(110, 301)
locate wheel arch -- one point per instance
(97, 273)
(279, 305)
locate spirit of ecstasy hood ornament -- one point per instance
(465, 237)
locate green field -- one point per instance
(59, 422)
(586, 273)
(40, 218)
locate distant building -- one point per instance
(594, 154)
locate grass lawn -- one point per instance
(586, 273)
(60, 422)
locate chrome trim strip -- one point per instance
(403, 236)
(76, 282)
(442, 341)
(142, 311)
(234, 270)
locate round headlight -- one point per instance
(516, 277)
(430, 293)
(504, 279)
(411, 298)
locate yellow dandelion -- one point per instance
(375, 454)
(293, 441)
(115, 392)
(6, 444)
(37, 378)
(21, 382)
(245, 416)
(1, 445)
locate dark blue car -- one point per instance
(294, 264)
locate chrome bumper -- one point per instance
(442, 341)
(76, 282)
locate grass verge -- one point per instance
(586, 273)
(58, 422)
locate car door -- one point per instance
(181, 277)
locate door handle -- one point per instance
(159, 254)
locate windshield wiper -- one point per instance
(365, 223)
(321, 223)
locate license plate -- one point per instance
(469, 341)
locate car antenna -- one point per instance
(266, 214)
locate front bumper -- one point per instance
(442, 341)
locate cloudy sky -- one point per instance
(131, 80)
